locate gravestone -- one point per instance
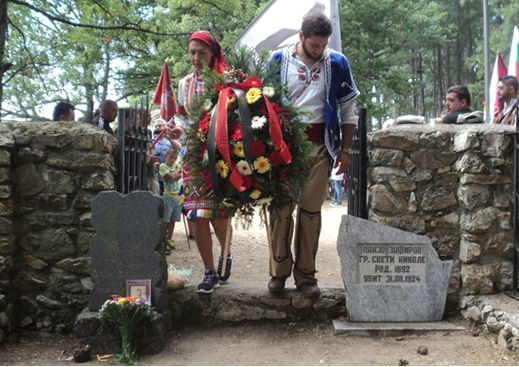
(128, 245)
(390, 275)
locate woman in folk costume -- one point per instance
(200, 202)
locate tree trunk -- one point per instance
(106, 75)
(459, 46)
(413, 75)
(440, 78)
(3, 39)
(422, 83)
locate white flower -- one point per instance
(264, 201)
(268, 92)
(244, 168)
(207, 104)
(258, 122)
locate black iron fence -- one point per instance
(357, 172)
(133, 139)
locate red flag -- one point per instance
(501, 72)
(164, 96)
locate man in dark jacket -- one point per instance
(107, 114)
(457, 102)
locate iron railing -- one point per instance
(133, 139)
(357, 172)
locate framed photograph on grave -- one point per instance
(140, 289)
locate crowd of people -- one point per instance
(317, 79)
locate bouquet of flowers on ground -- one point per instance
(125, 313)
(247, 136)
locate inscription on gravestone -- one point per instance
(391, 264)
(390, 275)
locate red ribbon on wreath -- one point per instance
(222, 139)
(275, 133)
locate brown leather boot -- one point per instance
(309, 290)
(276, 285)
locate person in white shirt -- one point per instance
(336, 182)
(320, 81)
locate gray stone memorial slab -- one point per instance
(128, 244)
(391, 328)
(390, 275)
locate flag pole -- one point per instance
(487, 62)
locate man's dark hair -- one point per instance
(107, 103)
(461, 91)
(510, 81)
(61, 108)
(316, 24)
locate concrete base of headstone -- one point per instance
(390, 275)
(390, 328)
(102, 337)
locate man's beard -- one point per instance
(308, 54)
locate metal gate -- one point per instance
(357, 177)
(133, 139)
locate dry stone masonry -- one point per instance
(453, 184)
(49, 172)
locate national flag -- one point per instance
(513, 61)
(498, 72)
(164, 96)
(279, 24)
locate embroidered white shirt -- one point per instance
(306, 88)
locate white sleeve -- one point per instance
(348, 111)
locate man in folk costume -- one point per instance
(320, 81)
(507, 92)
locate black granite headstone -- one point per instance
(128, 245)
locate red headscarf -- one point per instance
(218, 63)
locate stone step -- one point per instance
(390, 328)
(248, 301)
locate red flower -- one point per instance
(218, 87)
(203, 124)
(253, 82)
(275, 159)
(257, 148)
(257, 186)
(237, 134)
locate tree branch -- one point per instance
(125, 27)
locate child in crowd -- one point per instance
(170, 171)
(336, 183)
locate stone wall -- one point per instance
(454, 184)
(49, 172)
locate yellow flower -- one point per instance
(262, 164)
(230, 101)
(255, 195)
(222, 168)
(121, 300)
(238, 149)
(253, 95)
(244, 168)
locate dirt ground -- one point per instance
(251, 254)
(269, 343)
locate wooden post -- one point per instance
(269, 238)
(187, 230)
(227, 245)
